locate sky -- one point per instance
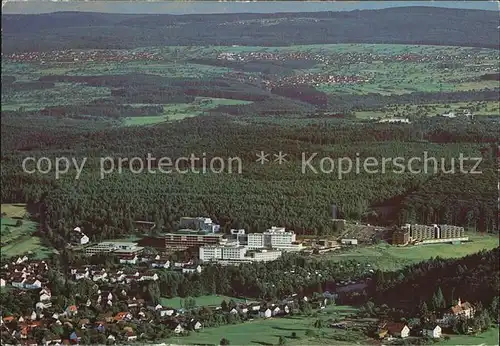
(186, 7)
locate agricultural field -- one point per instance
(179, 111)
(388, 257)
(213, 300)
(485, 108)
(487, 338)
(16, 233)
(268, 331)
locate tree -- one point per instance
(282, 340)
(189, 303)
(294, 335)
(223, 342)
(423, 311)
(319, 323)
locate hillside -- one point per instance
(414, 25)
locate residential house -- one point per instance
(176, 327)
(71, 310)
(432, 331)
(191, 269)
(2, 282)
(160, 262)
(84, 323)
(100, 326)
(266, 313)
(75, 337)
(463, 310)
(128, 258)
(276, 311)
(195, 325)
(111, 338)
(81, 274)
(21, 260)
(123, 316)
(45, 295)
(164, 311)
(18, 281)
(148, 276)
(394, 329)
(130, 336)
(32, 284)
(99, 275)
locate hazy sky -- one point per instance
(176, 7)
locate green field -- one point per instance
(18, 240)
(179, 111)
(213, 300)
(488, 338)
(268, 331)
(388, 257)
(433, 109)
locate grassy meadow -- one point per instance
(388, 257)
(267, 331)
(18, 240)
(211, 300)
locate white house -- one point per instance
(2, 282)
(178, 329)
(166, 312)
(32, 284)
(194, 269)
(160, 263)
(460, 311)
(432, 332)
(78, 237)
(148, 277)
(276, 311)
(266, 313)
(129, 259)
(21, 260)
(18, 282)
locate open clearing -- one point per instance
(18, 240)
(268, 331)
(388, 257)
(488, 338)
(212, 300)
(179, 111)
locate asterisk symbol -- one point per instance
(280, 158)
(262, 157)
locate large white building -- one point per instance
(117, 247)
(220, 252)
(275, 238)
(264, 255)
(199, 224)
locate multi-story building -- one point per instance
(264, 255)
(210, 252)
(275, 237)
(422, 232)
(434, 233)
(118, 247)
(401, 237)
(240, 236)
(181, 240)
(449, 231)
(219, 252)
(199, 224)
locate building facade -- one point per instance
(275, 238)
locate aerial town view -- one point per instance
(250, 173)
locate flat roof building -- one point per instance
(181, 240)
(116, 247)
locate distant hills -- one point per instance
(404, 25)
